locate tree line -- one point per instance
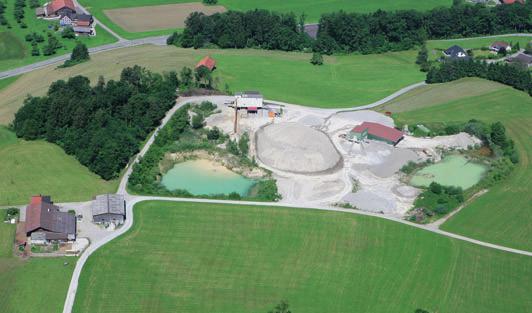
(344, 32)
(507, 74)
(382, 31)
(102, 126)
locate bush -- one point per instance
(213, 134)
(317, 59)
(243, 144)
(210, 2)
(435, 188)
(197, 121)
(68, 33)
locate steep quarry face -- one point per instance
(292, 147)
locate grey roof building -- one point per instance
(109, 208)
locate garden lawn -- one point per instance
(39, 167)
(16, 38)
(503, 215)
(344, 81)
(312, 8)
(197, 257)
(37, 285)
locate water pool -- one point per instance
(203, 177)
(453, 170)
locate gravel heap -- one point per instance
(293, 147)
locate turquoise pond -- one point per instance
(202, 177)
(453, 170)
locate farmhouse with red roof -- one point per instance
(44, 221)
(208, 62)
(376, 131)
(60, 8)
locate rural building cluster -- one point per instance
(68, 15)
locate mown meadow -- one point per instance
(197, 257)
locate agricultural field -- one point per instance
(12, 39)
(169, 16)
(477, 45)
(501, 216)
(178, 254)
(37, 285)
(344, 81)
(39, 167)
(312, 8)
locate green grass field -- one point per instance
(344, 81)
(223, 258)
(34, 167)
(502, 215)
(14, 38)
(36, 285)
(312, 8)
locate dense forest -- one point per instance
(375, 32)
(257, 28)
(102, 126)
(511, 75)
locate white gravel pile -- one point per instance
(296, 148)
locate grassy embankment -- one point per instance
(18, 51)
(502, 215)
(312, 8)
(33, 167)
(184, 257)
(344, 81)
(37, 285)
(436, 47)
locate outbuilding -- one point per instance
(455, 52)
(207, 62)
(376, 131)
(109, 208)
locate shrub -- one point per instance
(213, 134)
(317, 59)
(197, 121)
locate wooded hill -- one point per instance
(102, 126)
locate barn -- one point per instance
(376, 131)
(109, 208)
(207, 62)
(44, 221)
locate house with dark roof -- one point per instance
(60, 8)
(45, 222)
(376, 131)
(522, 60)
(109, 208)
(500, 45)
(455, 52)
(207, 62)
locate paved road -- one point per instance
(157, 40)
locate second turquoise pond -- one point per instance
(453, 170)
(203, 177)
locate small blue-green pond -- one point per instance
(452, 170)
(202, 177)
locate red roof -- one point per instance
(42, 214)
(59, 4)
(208, 62)
(513, 1)
(83, 23)
(379, 130)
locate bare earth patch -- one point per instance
(140, 19)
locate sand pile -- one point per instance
(296, 148)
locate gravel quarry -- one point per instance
(309, 154)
